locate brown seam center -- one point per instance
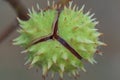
(58, 38)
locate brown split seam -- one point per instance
(58, 38)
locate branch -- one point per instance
(19, 8)
(21, 12)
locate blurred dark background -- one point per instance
(108, 67)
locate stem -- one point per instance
(19, 8)
(21, 12)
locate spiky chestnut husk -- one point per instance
(75, 27)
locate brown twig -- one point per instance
(19, 8)
(21, 12)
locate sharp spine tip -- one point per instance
(25, 51)
(70, 4)
(30, 66)
(52, 75)
(48, 2)
(105, 44)
(82, 8)
(93, 19)
(83, 69)
(100, 53)
(61, 75)
(45, 70)
(77, 8)
(73, 73)
(54, 59)
(55, 6)
(64, 56)
(100, 34)
(62, 66)
(88, 13)
(49, 65)
(59, 6)
(29, 11)
(65, 7)
(28, 61)
(17, 18)
(96, 22)
(91, 15)
(38, 7)
(74, 7)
